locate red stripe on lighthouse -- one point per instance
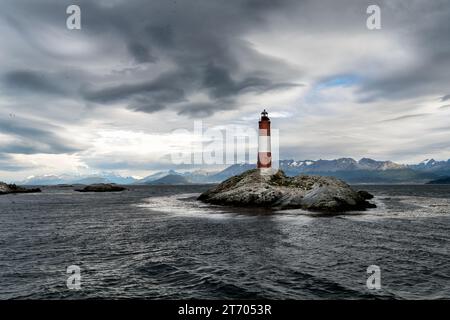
(264, 147)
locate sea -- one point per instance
(159, 242)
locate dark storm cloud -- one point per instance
(446, 97)
(201, 39)
(218, 81)
(148, 96)
(161, 35)
(146, 104)
(408, 116)
(30, 137)
(141, 52)
(151, 90)
(200, 110)
(175, 87)
(220, 84)
(32, 81)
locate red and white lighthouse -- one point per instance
(264, 148)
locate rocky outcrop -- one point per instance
(444, 180)
(279, 191)
(12, 188)
(102, 187)
(365, 195)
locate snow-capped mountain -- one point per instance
(364, 170)
(49, 179)
(104, 177)
(339, 165)
(432, 165)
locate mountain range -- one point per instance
(352, 171)
(76, 179)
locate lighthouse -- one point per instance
(264, 148)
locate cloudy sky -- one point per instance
(113, 95)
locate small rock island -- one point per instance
(12, 188)
(102, 187)
(317, 193)
(444, 180)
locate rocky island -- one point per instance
(444, 180)
(12, 188)
(317, 193)
(102, 187)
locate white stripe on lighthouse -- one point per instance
(264, 144)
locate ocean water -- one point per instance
(160, 243)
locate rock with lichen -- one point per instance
(318, 193)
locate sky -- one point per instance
(123, 93)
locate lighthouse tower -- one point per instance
(264, 149)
